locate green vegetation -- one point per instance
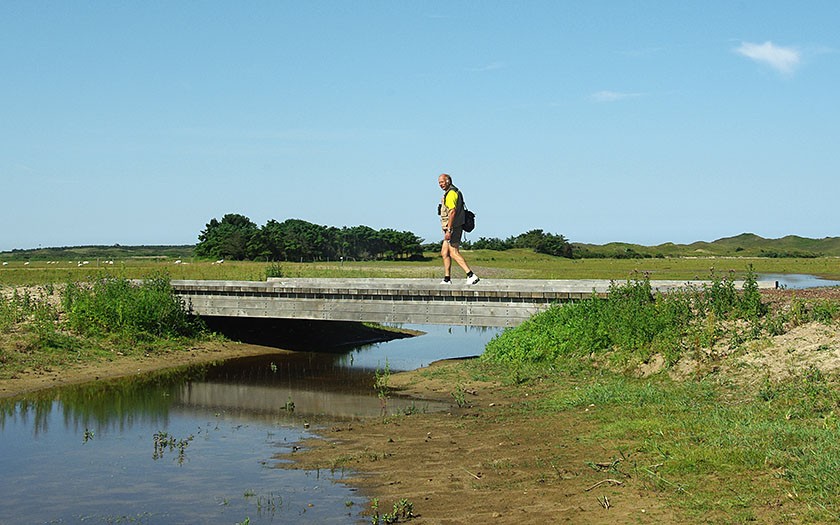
(632, 323)
(722, 453)
(94, 254)
(236, 237)
(520, 263)
(164, 441)
(537, 240)
(402, 511)
(45, 327)
(381, 379)
(118, 307)
(744, 245)
(721, 450)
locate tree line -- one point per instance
(537, 240)
(236, 237)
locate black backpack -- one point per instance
(469, 217)
(469, 220)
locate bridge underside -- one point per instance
(499, 303)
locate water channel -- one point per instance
(198, 445)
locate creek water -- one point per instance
(795, 281)
(199, 445)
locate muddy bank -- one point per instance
(486, 462)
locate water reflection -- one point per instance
(103, 406)
(315, 386)
(87, 453)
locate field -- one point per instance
(489, 264)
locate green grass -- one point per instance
(633, 323)
(720, 453)
(56, 326)
(717, 452)
(119, 307)
(510, 264)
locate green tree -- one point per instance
(226, 239)
(556, 245)
(399, 245)
(530, 239)
(493, 243)
(357, 242)
(268, 242)
(304, 241)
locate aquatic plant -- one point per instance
(163, 441)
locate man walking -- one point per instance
(452, 221)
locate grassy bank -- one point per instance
(60, 325)
(722, 450)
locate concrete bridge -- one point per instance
(500, 303)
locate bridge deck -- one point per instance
(503, 302)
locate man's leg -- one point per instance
(455, 253)
(447, 259)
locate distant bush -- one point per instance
(783, 254)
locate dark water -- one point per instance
(198, 445)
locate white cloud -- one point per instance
(489, 67)
(611, 96)
(782, 59)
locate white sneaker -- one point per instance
(446, 282)
(473, 279)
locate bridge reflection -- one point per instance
(287, 403)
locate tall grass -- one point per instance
(143, 310)
(633, 322)
(43, 327)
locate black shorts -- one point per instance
(455, 236)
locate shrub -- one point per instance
(633, 322)
(122, 307)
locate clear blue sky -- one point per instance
(137, 122)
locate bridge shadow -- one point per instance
(300, 334)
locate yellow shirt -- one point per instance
(451, 199)
(450, 202)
